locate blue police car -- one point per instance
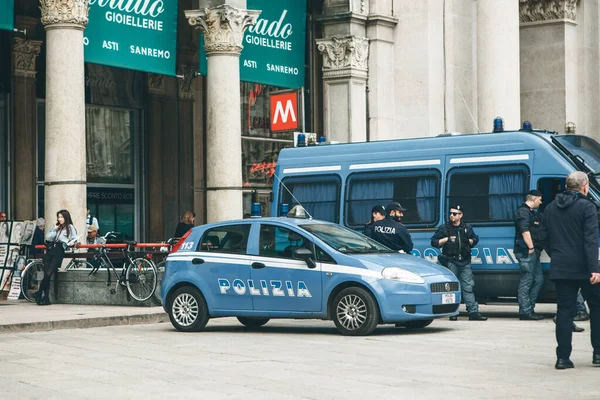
(257, 269)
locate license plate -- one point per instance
(448, 298)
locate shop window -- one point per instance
(416, 192)
(488, 196)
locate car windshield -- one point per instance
(345, 240)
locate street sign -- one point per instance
(135, 35)
(7, 14)
(274, 48)
(284, 112)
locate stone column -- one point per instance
(498, 63)
(549, 63)
(65, 21)
(223, 28)
(344, 87)
(24, 140)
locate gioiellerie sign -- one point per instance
(273, 51)
(134, 34)
(7, 14)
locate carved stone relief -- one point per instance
(543, 10)
(344, 53)
(24, 54)
(186, 84)
(156, 84)
(223, 27)
(74, 12)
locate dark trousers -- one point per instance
(52, 261)
(566, 302)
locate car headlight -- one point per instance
(402, 275)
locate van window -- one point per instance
(319, 198)
(418, 194)
(550, 187)
(488, 196)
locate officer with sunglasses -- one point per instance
(456, 240)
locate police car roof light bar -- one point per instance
(293, 197)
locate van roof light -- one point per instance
(498, 124)
(527, 126)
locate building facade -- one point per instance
(133, 146)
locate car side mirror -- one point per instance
(306, 255)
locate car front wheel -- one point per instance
(188, 311)
(253, 322)
(355, 312)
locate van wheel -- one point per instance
(417, 324)
(355, 312)
(188, 311)
(253, 322)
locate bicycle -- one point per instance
(139, 275)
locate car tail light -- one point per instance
(180, 242)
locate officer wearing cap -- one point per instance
(390, 232)
(377, 214)
(528, 246)
(456, 240)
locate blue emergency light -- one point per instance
(321, 140)
(284, 209)
(301, 140)
(498, 124)
(255, 211)
(527, 126)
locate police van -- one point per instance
(257, 269)
(487, 174)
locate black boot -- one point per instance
(38, 296)
(45, 300)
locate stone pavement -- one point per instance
(22, 316)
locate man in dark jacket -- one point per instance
(571, 226)
(377, 214)
(456, 240)
(528, 247)
(390, 232)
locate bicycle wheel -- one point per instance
(78, 264)
(31, 277)
(160, 267)
(140, 279)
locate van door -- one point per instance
(282, 282)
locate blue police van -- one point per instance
(487, 174)
(257, 269)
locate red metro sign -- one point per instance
(284, 112)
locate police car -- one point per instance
(258, 269)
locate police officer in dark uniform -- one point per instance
(456, 239)
(377, 214)
(390, 232)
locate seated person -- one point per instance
(297, 242)
(267, 244)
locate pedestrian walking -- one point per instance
(527, 248)
(62, 235)
(186, 223)
(456, 239)
(390, 232)
(582, 312)
(571, 225)
(377, 214)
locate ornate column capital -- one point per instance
(544, 10)
(186, 84)
(64, 12)
(156, 84)
(24, 54)
(223, 27)
(344, 56)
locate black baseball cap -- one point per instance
(378, 209)
(456, 207)
(394, 206)
(536, 193)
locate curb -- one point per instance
(85, 323)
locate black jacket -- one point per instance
(182, 229)
(458, 251)
(368, 229)
(571, 226)
(392, 234)
(527, 220)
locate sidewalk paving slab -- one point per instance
(23, 316)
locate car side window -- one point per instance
(275, 241)
(322, 256)
(231, 239)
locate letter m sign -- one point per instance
(284, 112)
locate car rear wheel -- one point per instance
(417, 324)
(188, 311)
(253, 322)
(355, 312)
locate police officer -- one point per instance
(528, 246)
(456, 239)
(390, 232)
(377, 214)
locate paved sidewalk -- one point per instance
(22, 316)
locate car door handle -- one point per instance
(197, 261)
(257, 265)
